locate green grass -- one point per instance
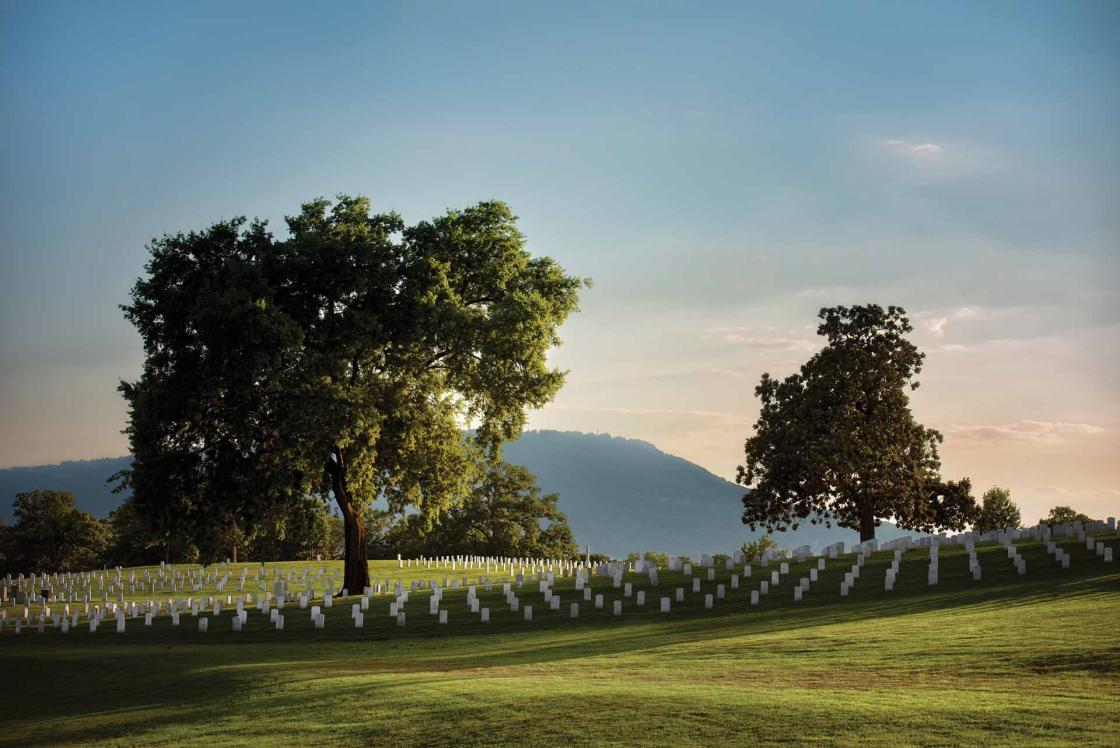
(1008, 660)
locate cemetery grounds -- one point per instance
(1007, 659)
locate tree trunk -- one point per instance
(235, 553)
(355, 566)
(866, 524)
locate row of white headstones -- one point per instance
(273, 604)
(79, 587)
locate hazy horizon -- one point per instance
(720, 172)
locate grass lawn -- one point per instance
(1007, 660)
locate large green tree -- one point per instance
(342, 361)
(837, 443)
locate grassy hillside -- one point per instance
(1005, 660)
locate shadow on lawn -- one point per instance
(193, 682)
(187, 683)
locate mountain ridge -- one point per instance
(620, 494)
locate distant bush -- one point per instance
(657, 559)
(1060, 515)
(755, 548)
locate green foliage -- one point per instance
(503, 514)
(299, 529)
(51, 534)
(135, 543)
(997, 511)
(753, 549)
(661, 560)
(337, 363)
(302, 528)
(837, 442)
(6, 540)
(1061, 515)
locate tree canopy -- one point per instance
(51, 534)
(342, 362)
(1061, 515)
(503, 514)
(837, 443)
(753, 549)
(997, 511)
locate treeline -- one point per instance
(503, 514)
(51, 534)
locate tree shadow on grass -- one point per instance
(168, 682)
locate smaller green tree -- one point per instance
(997, 511)
(299, 528)
(5, 544)
(134, 541)
(1060, 515)
(657, 559)
(503, 514)
(51, 534)
(755, 548)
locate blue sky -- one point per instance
(720, 171)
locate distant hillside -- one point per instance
(625, 495)
(620, 495)
(86, 479)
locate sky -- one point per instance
(720, 171)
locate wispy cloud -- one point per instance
(766, 343)
(1023, 432)
(761, 341)
(918, 149)
(665, 412)
(741, 373)
(936, 320)
(825, 292)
